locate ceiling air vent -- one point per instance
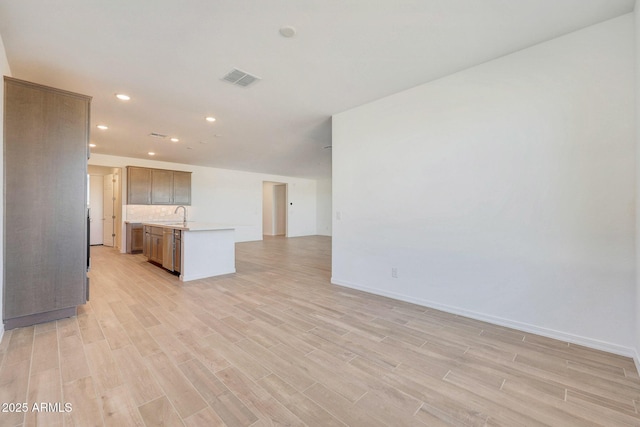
(240, 78)
(157, 135)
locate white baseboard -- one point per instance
(521, 326)
(184, 278)
(1, 331)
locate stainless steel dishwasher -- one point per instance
(171, 249)
(177, 251)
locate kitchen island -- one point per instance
(195, 250)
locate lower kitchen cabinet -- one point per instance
(135, 238)
(146, 241)
(192, 250)
(152, 245)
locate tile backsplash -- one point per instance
(150, 213)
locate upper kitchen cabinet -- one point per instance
(138, 186)
(147, 186)
(181, 188)
(46, 137)
(161, 187)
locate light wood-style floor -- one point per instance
(277, 344)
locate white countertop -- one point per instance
(191, 225)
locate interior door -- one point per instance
(280, 209)
(95, 209)
(108, 212)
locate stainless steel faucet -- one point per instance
(184, 216)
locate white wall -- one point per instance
(4, 71)
(504, 192)
(324, 207)
(637, 92)
(233, 197)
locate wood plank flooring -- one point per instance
(277, 344)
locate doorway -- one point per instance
(108, 211)
(96, 202)
(105, 204)
(274, 208)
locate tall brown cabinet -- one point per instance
(46, 135)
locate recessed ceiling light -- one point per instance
(151, 153)
(210, 119)
(102, 127)
(122, 97)
(287, 32)
(92, 145)
(174, 140)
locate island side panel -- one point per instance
(207, 253)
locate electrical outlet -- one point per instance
(394, 272)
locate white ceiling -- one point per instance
(170, 56)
